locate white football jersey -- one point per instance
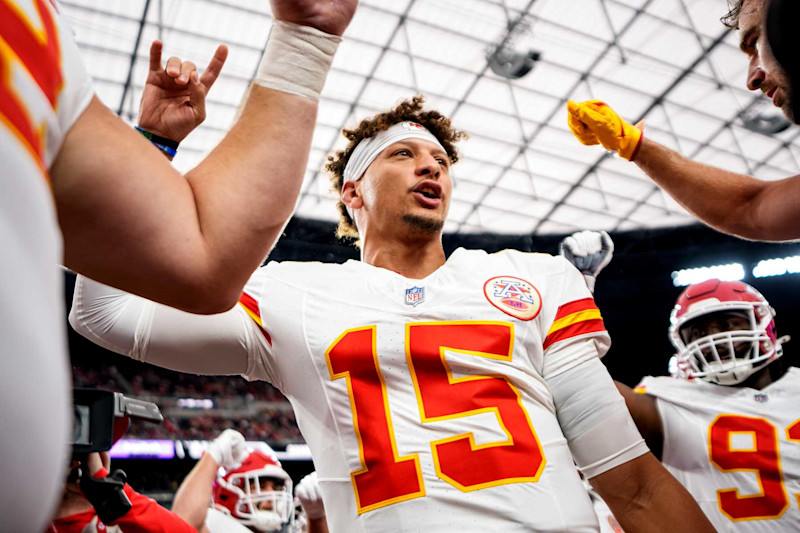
(735, 449)
(219, 522)
(44, 87)
(425, 402)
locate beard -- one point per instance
(426, 225)
(788, 107)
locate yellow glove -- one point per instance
(593, 122)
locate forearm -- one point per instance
(643, 497)
(247, 188)
(318, 525)
(195, 493)
(722, 199)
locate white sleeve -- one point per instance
(163, 336)
(593, 416)
(77, 90)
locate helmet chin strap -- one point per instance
(730, 372)
(266, 521)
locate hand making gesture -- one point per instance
(174, 96)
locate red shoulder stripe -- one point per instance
(251, 306)
(573, 330)
(573, 307)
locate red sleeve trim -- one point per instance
(251, 306)
(579, 328)
(573, 307)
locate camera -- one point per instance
(101, 417)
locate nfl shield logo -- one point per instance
(415, 295)
(760, 397)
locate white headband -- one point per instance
(368, 149)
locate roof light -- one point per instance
(690, 276)
(777, 267)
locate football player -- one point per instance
(729, 202)
(728, 427)
(435, 394)
(257, 493)
(249, 489)
(80, 187)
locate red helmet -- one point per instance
(728, 356)
(239, 493)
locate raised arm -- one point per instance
(154, 333)
(590, 252)
(729, 202)
(130, 220)
(194, 496)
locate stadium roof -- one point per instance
(668, 61)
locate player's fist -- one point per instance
(228, 450)
(589, 252)
(594, 122)
(330, 16)
(307, 491)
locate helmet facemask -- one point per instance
(258, 494)
(727, 356)
(261, 508)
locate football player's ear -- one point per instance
(351, 195)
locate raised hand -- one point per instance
(594, 122)
(174, 97)
(330, 16)
(228, 449)
(589, 251)
(310, 496)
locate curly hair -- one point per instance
(731, 19)
(439, 125)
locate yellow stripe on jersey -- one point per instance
(580, 316)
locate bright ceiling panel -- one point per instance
(670, 62)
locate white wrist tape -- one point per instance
(296, 59)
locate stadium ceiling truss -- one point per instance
(503, 70)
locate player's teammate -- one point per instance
(781, 31)
(730, 202)
(249, 489)
(435, 395)
(80, 187)
(729, 427)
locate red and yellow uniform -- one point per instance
(735, 449)
(425, 402)
(442, 404)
